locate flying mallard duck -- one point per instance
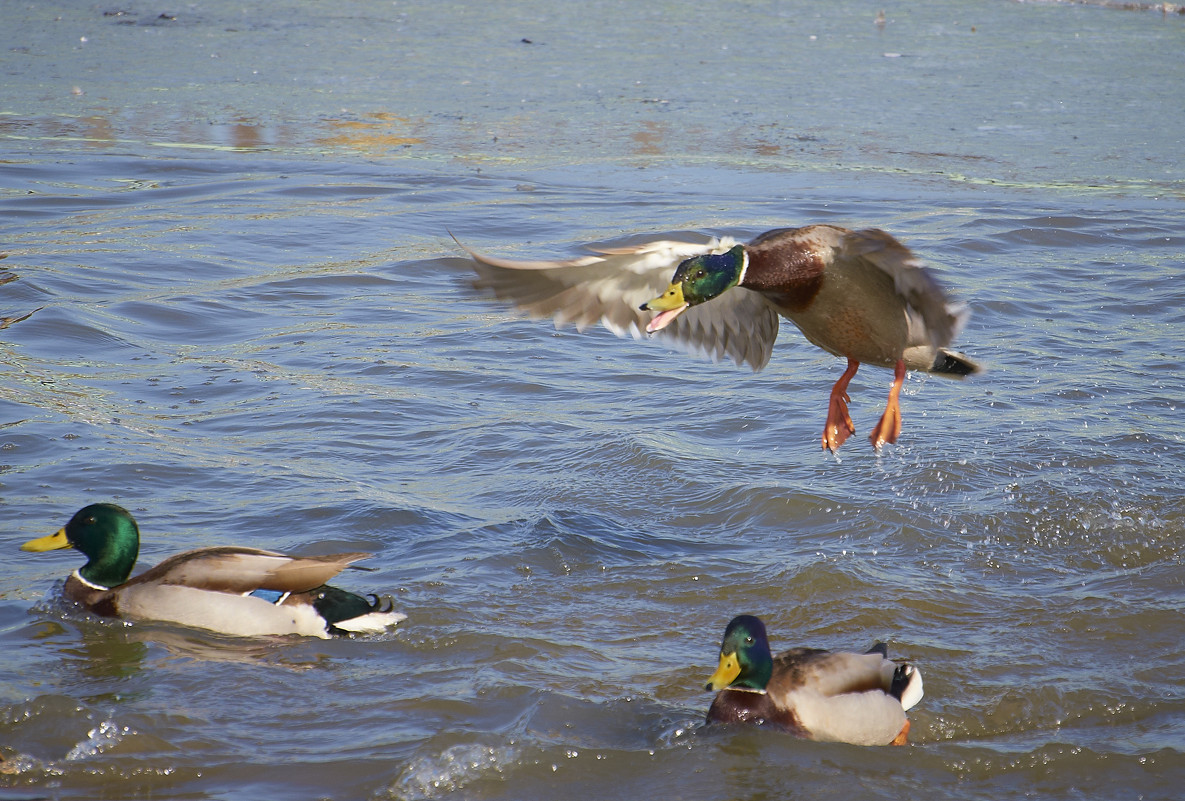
(228, 589)
(860, 295)
(822, 695)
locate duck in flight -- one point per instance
(860, 295)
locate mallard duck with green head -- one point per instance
(821, 695)
(227, 589)
(860, 295)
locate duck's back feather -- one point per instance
(829, 672)
(233, 569)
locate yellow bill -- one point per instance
(670, 304)
(725, 674)
(50, 542)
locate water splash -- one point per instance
(437, 775)
(99, 739)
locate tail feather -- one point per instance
(907, 685)
(346, 612)
(370, 623)
(951, 363)
(382, 616)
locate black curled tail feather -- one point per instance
(956, 365)
(902, 676)
(336, 605)
(381, 603)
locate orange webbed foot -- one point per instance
(839, 423)
(889, 427)
(902, 737)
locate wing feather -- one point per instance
(609, 287)
(941, 321)
(238, 570)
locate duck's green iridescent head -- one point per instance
(697, 280)
(745, 660)
(106, 534)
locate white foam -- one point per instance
(434, 776)
(98, 740)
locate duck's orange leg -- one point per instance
(902, 737)
(839, 423)
(889, 427)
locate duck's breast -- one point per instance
(742, 706)
(856, 314)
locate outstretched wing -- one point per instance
(941, 320)
(609, 286)
(239, 570)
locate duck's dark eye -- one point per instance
(88, 521)
(700, 273)
(749, 639)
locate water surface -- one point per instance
(254, 328)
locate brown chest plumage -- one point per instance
(101, 602)
(786, 267)
(742, 706)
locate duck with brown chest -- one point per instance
(860, 295)
(820, 695)
(229, 589)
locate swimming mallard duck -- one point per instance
(228, 589)
(822, 695)
(860, 295)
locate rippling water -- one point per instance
(254, 328)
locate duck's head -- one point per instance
(106, 534)
(745, 660)
(697, 280)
